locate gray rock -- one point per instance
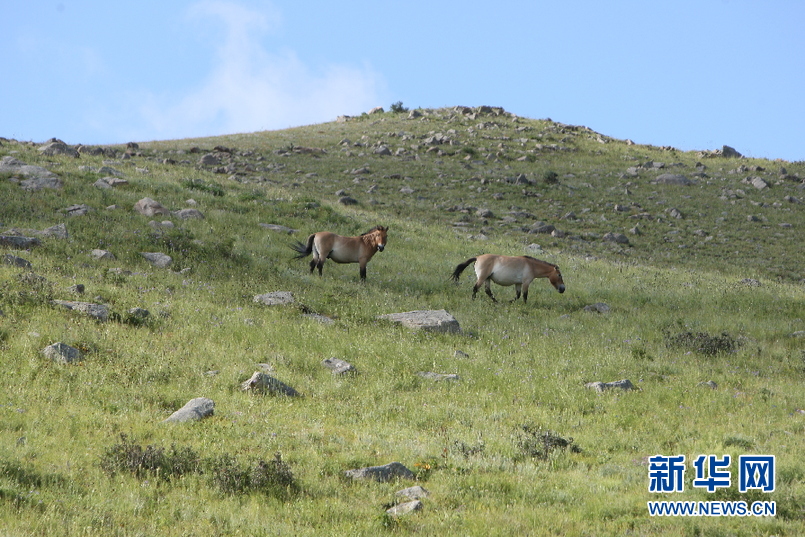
(189, 213)
(139, 313)
(77, 210)
(149, 207)
(624, 384)
(383, 474)
(412, 493)
(62, 353)
(209, 160)
(279, 229)
(618, 238)
(404, 508)
(339, 366)
(195, 409)
(319, 318)
(99, 312)
(709, 384)
(757, 182)
(110, 182)
(263, 383)
(56, 147)
(101, 254)
(347, 200)
(430, 375)
(277, 298)
(158, 259)
(434, 320)
(598, 307)
(36, 176)
(77, 289)
(729, 152)
(15, 261)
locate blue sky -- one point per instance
(690, 74)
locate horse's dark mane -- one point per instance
(541, 261)
(371, 230)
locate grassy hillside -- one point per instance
(707, 288)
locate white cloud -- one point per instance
(250, 88)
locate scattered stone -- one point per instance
(404, 508)
(319, 318)
(757, 182)
(347, 200)
(618, 238)
(140, 314)
(99, 312)
(55, 147)
(195, 410)
(77, 210)
(158, 259)
(751, 282)
(264, 383)
(598, 307)
(376, 110)
(383, 474)
(533, 248)
(434, 320)
(277, 298)
(62, 353)
(709, 384)
(149, 207)
(412, 493)
(624, 384)
(279, 229)
(460, 354)
(18, 242)
(110, 182)
(36, 176)
(729, 152)
(77, 289)
(339, 366)
(184, 214)
(430, 375)
(102, 254)
(15, 261)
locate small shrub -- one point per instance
(550, 177)
(201, 186)
(273, 478)
(536, 443)
(128, 456)
(702, 342)
(398, 108)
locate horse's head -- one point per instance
(556, 280)
(380, 235)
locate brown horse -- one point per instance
(324, 245)
(504, 270)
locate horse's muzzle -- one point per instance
(380, 247)
(561, 288)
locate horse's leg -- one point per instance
(525, 291)
(312, 265)
(363, 272)
(517, 287)
(488, 288)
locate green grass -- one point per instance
(523, 369)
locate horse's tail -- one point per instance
(303, 249)
(460, 268)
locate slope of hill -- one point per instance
(683, 276)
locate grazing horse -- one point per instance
(325, 245)
(518, 271)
